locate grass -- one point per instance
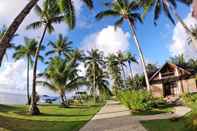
(53, 118)
(165, 125)
(158, 109)
(187, 123)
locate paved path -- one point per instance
(113, 117)
(178, 111)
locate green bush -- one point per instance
(136, 100)
(189, 98)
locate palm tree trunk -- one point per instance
(28, 97)
(62, 99)
(131, 71)
(4, 42)
(94, 84)
(132, 28)
(194, 6)
(34, 109)
(124, 76)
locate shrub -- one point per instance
(189, 98)
(136, 100)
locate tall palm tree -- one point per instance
(48, 18)
(130, 59)
(5, 40)
(65, 5)
(115, 71)
(121, 60)
(194, 11)
(126, 11)
(93, 62)
(102, 84)
(61, 76)
(27, 51)
(61, 47)
(2, 32)
(178, 60)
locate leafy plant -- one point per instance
(136, 100)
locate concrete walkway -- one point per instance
(113, 117)
(116, 117)
(178, 111)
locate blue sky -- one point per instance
(158, 42)
(155, 40)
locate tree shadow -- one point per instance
(7, 108)
(14, 124)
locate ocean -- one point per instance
(12, 99)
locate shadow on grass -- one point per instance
(7, 108)
(14, 124)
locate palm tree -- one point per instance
(48, 17)
(65, 5)
(2, 32)
(61, 76)
(102, 84)
(121, 60)
(178, 60)
(130, 58)
(27, 51)
(126, 11)
(168, 7)
(61, 47)
(93, 62)
(115, 71)
(5, 40)
(194, 11)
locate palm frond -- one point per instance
(106, 13)
(67, 8)
(119, 23)
(35, 25)
(89, 3)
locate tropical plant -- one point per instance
(194, 11)
(2, 32)
(130, 59)
(94, 63)
(136, 100)
(27, 51)
(179, 60)
(136, 83)
(66, 7)
(61, 47)
(61, 75)
(126, 11)
(121, 61)
(115, 72)
(48, 17)
(151, 69)
(7, 37)
(102, 82)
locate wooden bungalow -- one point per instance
(172, 80)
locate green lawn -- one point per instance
(154, 111)
(53, 118)
(165, 125)
(187, 123)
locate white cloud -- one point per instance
(107, 40)
(180, 40)
(13, 79)
(9, 10)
